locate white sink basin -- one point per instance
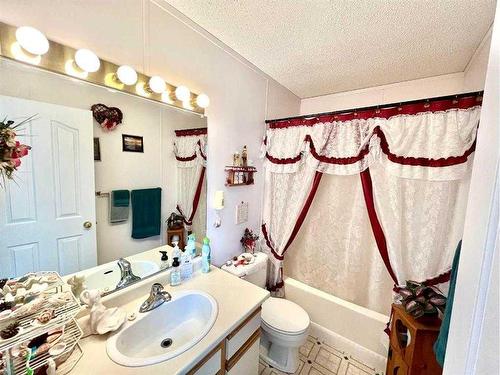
(107, 278)
(164, 332)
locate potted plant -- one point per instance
(249, 240)
(419, 299)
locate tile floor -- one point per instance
(318, 358)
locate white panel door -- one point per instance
(44, 208)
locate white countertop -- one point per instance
(236, 299)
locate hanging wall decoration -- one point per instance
(108, 117)
(11, 150)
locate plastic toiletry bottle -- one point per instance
(186, 265)
(176, 253)
(205, 256)
(175, 274)
(164, 260)
(191, 245)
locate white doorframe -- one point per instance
(476, 294)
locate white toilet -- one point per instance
(284, 325)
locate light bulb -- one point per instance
(182, 93)
(23, 55)
(187, 105)
(157, 84)
(140, 88)
(87, 60)
(127, 75)
(32, 40)
(202, 101)
(165, 97)
(71, 68)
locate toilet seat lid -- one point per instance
(284, 315)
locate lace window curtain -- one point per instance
(418, 154)
(190, 153)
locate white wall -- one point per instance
(473, 342)
(116, 170)
(156, 39)
(472, 79)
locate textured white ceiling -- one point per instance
(319, 47)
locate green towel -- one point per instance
(146, 213)
(442, 340)
(121, 198)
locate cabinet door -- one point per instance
(248, 363)
(212, 364)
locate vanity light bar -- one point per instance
(61, 59)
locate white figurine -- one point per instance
(102, 319)
(77, 284)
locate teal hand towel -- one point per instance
(120, 198)
(146, 213)
(442, 340)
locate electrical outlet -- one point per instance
(242, 213)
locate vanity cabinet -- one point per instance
(237, 354)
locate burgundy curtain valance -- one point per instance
(427, 105)
(189, 132)
(189, 145)
(408, 139)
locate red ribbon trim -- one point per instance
(192, 157)
(188, 132)
(196, 200)
(188, 158)
(300, 219)
(386, 113)
(378, 233)
(410, 160)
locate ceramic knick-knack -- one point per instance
(77, 284)
(102, 319)
(244, 156)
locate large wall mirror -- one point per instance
(86, 196)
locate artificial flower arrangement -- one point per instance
(419, 299)
(11, 150)
(249, 240)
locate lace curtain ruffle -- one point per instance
(190, 150)
(413, 143)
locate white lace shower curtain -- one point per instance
(190, 153)
(335, 250)
(419, 156)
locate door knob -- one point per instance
(87, 225)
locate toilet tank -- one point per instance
(255, 272)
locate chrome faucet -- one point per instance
(127, 277)
(156, 298)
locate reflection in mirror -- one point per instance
(96, 186)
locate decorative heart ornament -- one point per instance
(108, 117)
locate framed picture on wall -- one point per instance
(132, 143)
(97, 150)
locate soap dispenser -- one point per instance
(175, 274)
(164, 260)
(176, 253)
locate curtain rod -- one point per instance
(396, 104)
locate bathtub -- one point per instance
(357, 329)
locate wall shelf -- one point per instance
(239, 175)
